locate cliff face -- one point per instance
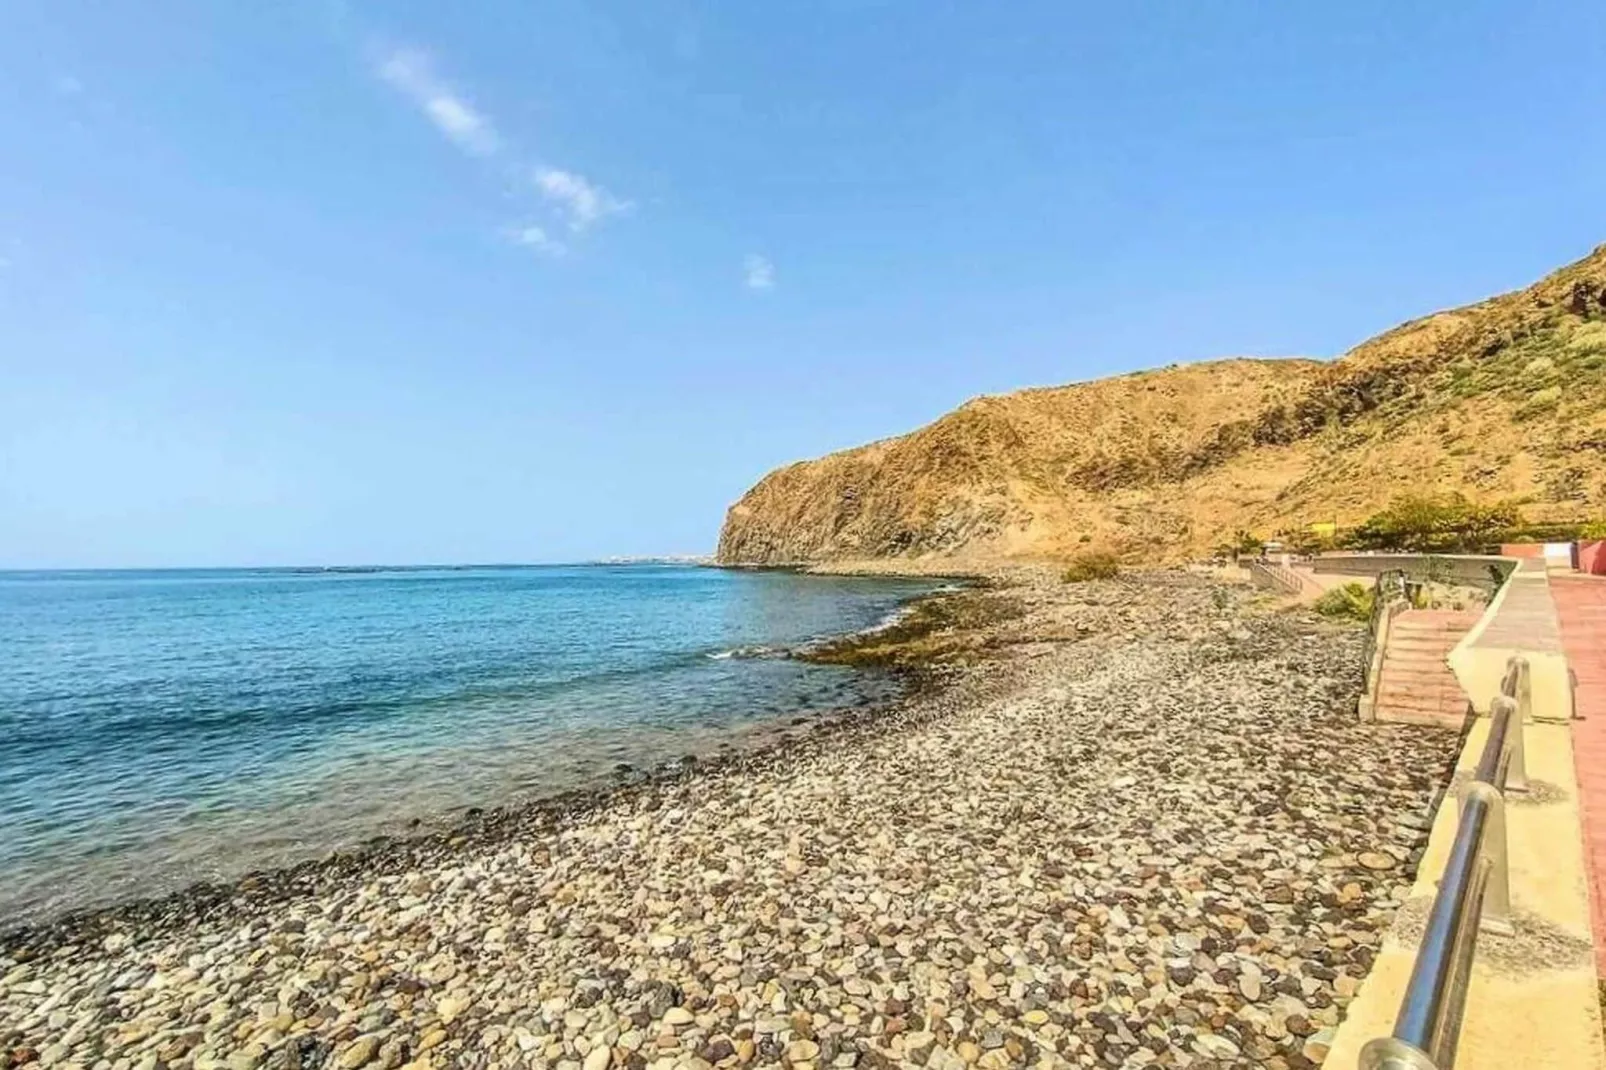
(1502, 399)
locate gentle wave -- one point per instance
(760, 651)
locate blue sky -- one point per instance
(312, 282)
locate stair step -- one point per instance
(1423, 706)
(1420, 653)
(1406, 683)
(1422, 717)
(1435, 667)
(1420, 701)
(1410, 644)
(1432, 666)
(1448, 636)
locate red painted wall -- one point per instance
(1592, 557)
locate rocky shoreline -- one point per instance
(1141, 827)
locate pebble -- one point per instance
(358, 1053)
(1213, 1046)
(1162, 839)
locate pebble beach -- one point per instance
(1144, 828)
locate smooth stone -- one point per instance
(358, 1053)
(1215, 1046)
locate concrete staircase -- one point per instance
(1416, 686)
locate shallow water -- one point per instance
(162, 727)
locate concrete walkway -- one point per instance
(1581, 607)
(1533, 1001)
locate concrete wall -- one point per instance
(1470, 570)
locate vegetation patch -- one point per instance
(943, 628)
(1092, 565)
(1445, 524)
(1353, 601)
(1425, 524)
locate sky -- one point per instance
(337, 283)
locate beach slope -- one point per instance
(1146, 818)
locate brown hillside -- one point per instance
(1502, 399)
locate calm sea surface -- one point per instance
(162, 727)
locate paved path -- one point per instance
(1581, 606)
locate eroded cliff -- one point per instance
(1502, 399)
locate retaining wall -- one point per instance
(1467, 569)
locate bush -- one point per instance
(1353, 601)
(1449, 524)
(1092, 565)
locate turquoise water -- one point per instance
(162, 727)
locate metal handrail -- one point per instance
(1474, 895)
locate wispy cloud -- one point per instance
(537, 238)
(411, 72)
(576, 201)
(758, 273)
(580, 201)
(67, 86)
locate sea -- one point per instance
(163, 727)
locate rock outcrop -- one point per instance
(1502, 399)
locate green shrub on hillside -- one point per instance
(1353, 601)
(1092, 565)
(1422, 524)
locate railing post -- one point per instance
(1525, 687)
(1391, 1053)
(1496, 914)
(1516, 762)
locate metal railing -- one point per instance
(1269, 574)
(1474, 895)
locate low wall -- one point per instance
(1520, 620)
(1533, 1001)
(1466, 569)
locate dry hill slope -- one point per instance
(1502, 399)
